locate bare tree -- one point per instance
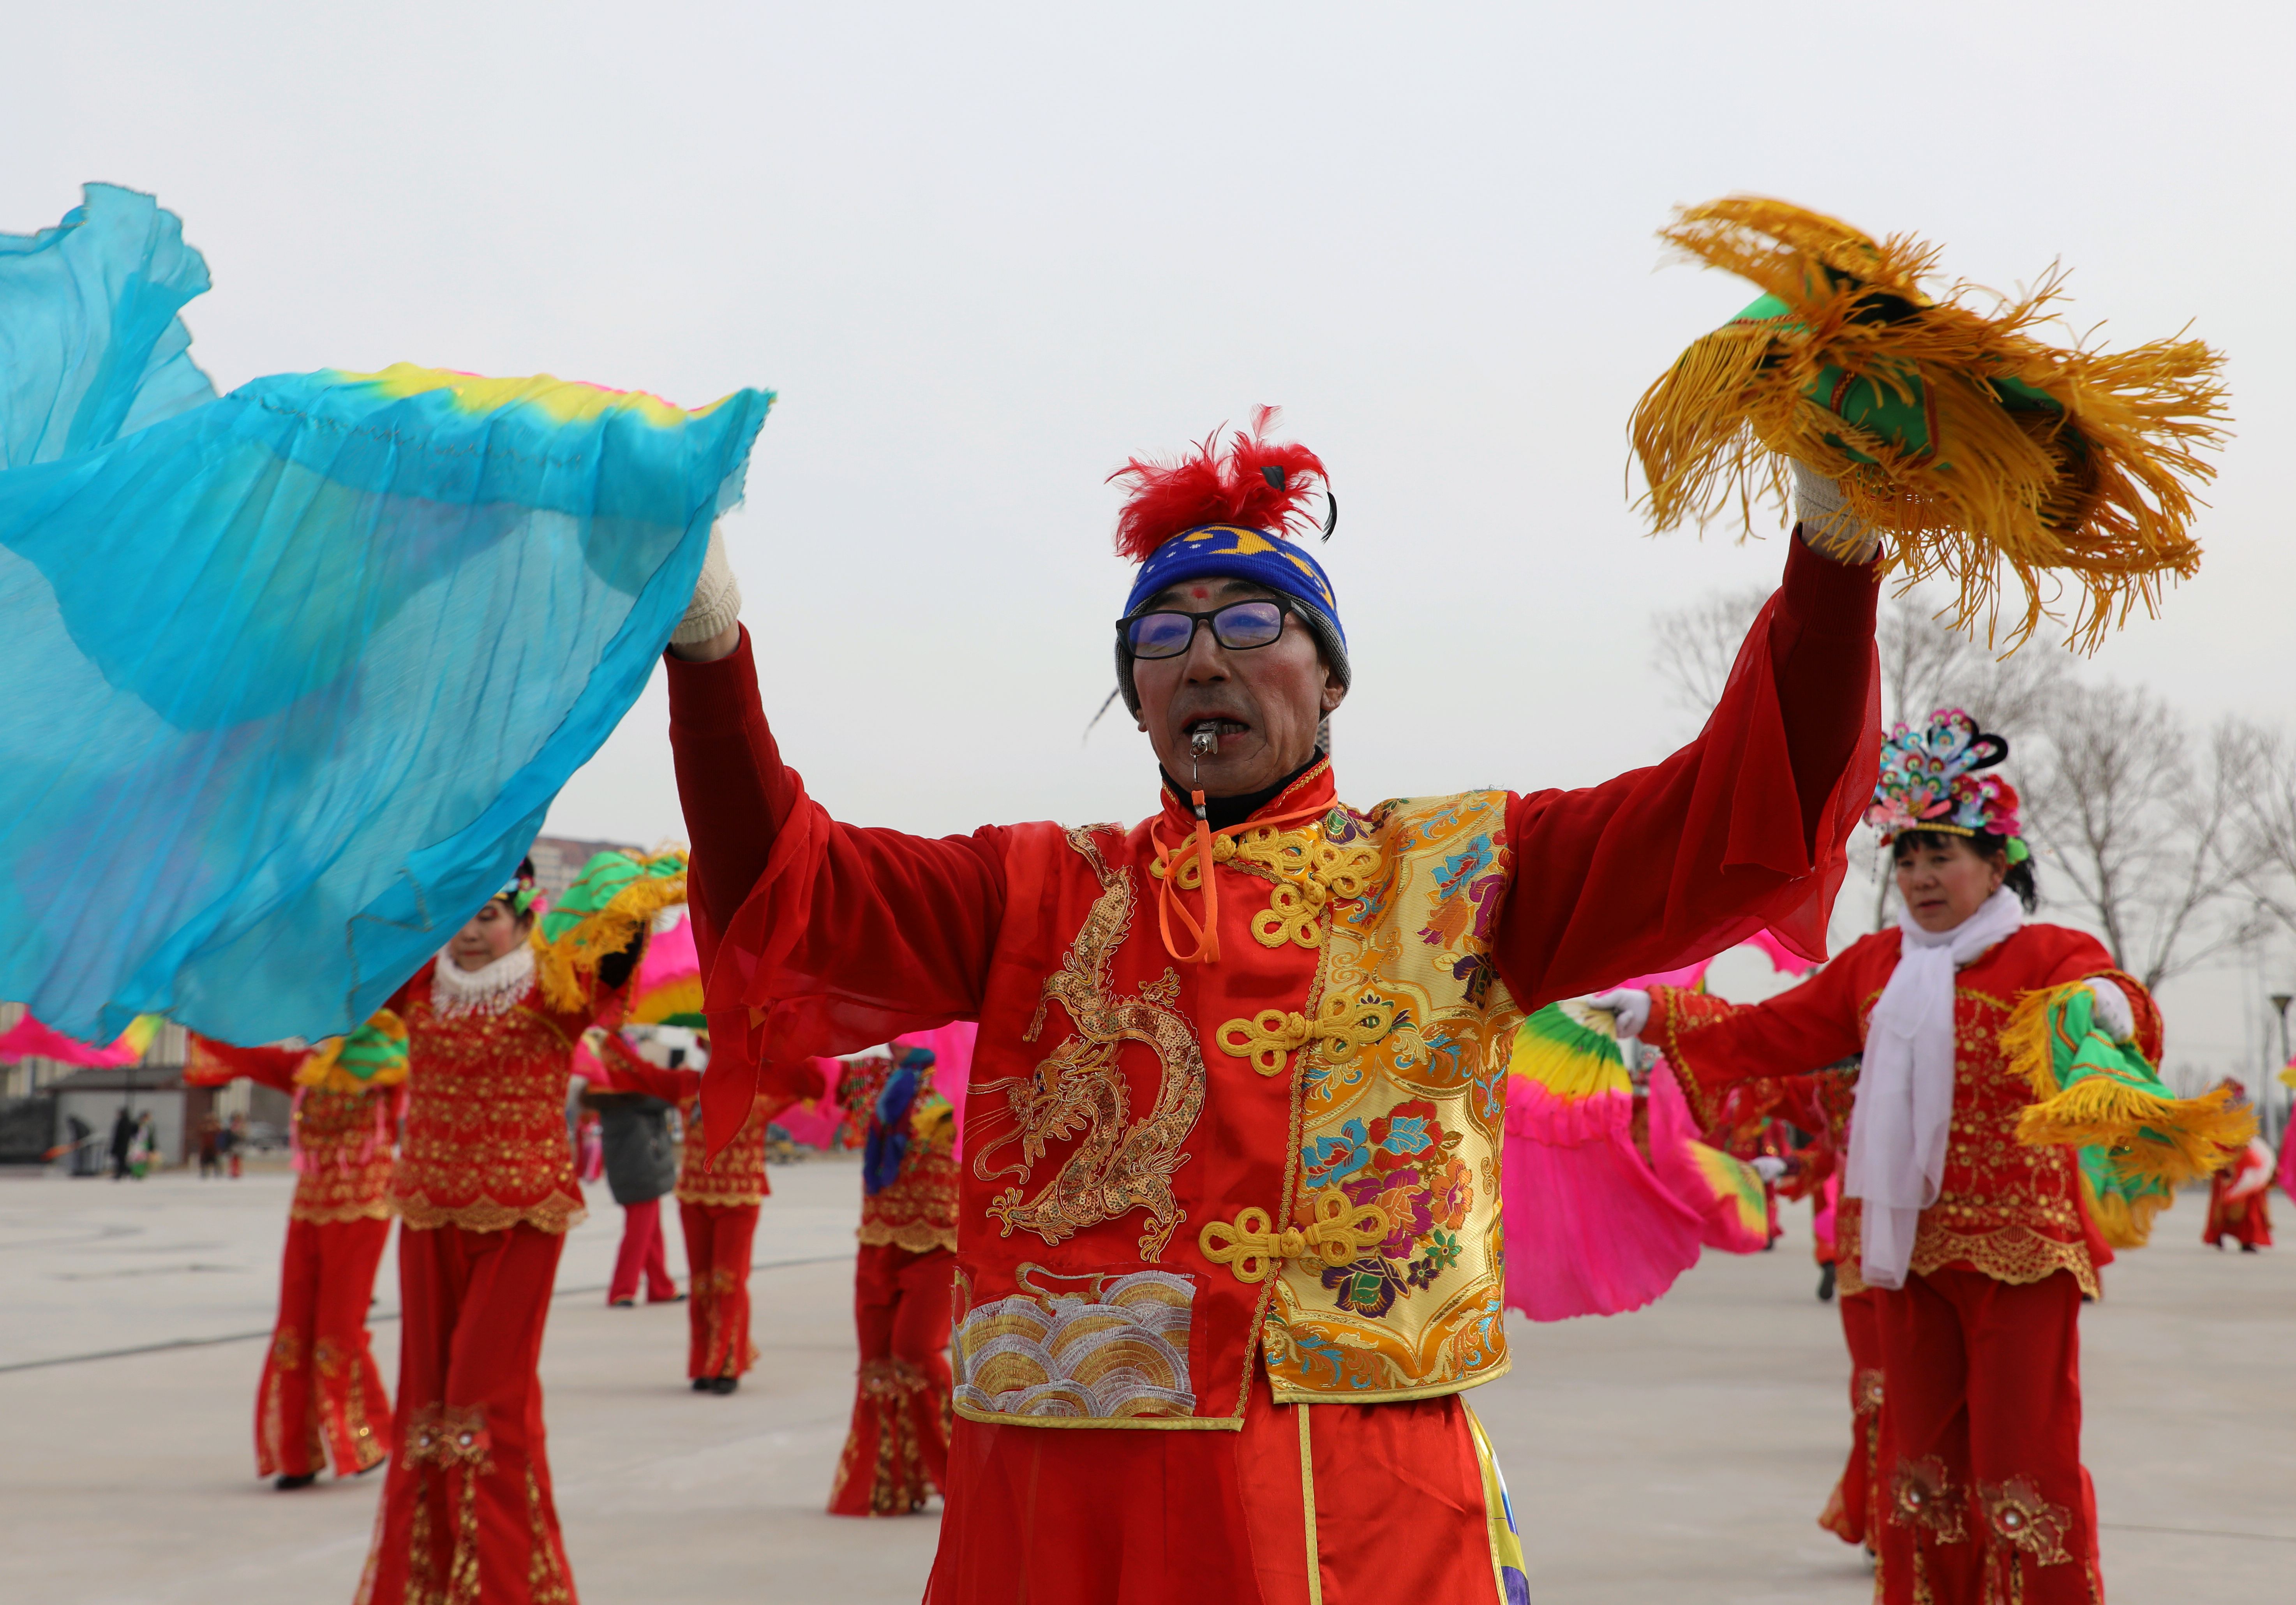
(2263, 765)
(1696, 646)
(1925, 666)
(2146, 839)
(1924, 663)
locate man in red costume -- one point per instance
(1228, 1238)
(485, 1189)
(1967, 1234)
(320, 1397)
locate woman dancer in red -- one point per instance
(320, 1398)
(897, 1453)
(2238, 1193)
(1972, 1237)
(717, 1201)
(485, 1188)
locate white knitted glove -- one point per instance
(2112, 1010)
(717, 598)
(1629, 1005)
(1769, 1167)
(1826, 527)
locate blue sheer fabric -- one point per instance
(293, 674)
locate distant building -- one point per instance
(558, 859)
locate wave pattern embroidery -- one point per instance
(1116, 1349)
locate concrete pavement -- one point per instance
(1679, 1453)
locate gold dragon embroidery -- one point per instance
(1120, 1165)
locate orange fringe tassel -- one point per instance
(2040, 460)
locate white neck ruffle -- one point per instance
(492, 990)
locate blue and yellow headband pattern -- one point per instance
(1231, 551)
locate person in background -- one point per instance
(718, 1196)
(485, 1193)
(210, 1145)
(123, 1141)
(2237, 1193)
(235, 1148)
(897, 1450)
(320, 1399)
(641, 1167)
(144, 1152)
(1992, 1046)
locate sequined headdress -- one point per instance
(1931, 780)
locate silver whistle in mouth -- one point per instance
(1203, 741)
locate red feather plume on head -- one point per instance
(1215, 485)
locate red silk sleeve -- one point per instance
(1743, 828)
(216, 1063)
(1713, 1045)
(816, 937)
(633, 1073)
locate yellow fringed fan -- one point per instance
(1969, 444)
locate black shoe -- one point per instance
(724, 1384)
(1825, 1284)
(283, 1482)
(701, 1384)
(2248, 1247)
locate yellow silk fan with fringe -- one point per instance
(1968, 444)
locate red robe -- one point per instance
(819, 938)
(320, 1397)
(897, 1449)
(718, 1195)
(485, 1187)
(2245, 1218)
(1977, 1479)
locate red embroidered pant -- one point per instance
(1849, 1513)
(717, 1238)
(1985, 1500)
(896, 1451)
(641, 1256)
(467, 1513)
(320, 1396)
(1105, 1516)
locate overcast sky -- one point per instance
(984, 253)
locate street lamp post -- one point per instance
(2280, 1002)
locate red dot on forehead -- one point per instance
(1199, 593)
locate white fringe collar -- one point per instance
(492, 990)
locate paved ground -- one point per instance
(1678, 1453)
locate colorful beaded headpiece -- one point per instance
(522, 889)
(1930, 782)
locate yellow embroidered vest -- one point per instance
(1291, 1152)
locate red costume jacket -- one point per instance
(2008, 1210)
(735, 1173)
(344, 1138)
(1174, 1167)
(916, 1211)
(485, 1121)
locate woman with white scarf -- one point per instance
(1978, 1248)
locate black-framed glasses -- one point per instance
(1239, 627)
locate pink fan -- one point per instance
(1589, 1230)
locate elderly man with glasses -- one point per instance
(1229, 1247)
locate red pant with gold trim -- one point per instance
(467, 1513)
(1386, 1503)
(1984, 1499)
(717, 1239)
(320, 1396)
(898, 1450)
(1849, 1514)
